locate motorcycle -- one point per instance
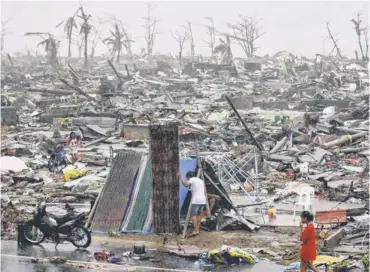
(68, 228)
(58, 159)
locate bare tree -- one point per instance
(247, 31)
(211, 31)
(94, 43)
(190, 37)
(150, 29)
(366, 35)
(225, 49)
(359, 31)
(69, 25)
(51, 46)
(78, 40)
(334, 39)
(85, 29)
(4, 33)
(118, 40)
(180, 39)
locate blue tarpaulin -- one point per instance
(185, 166)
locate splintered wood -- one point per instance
(164, 153)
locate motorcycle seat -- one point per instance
(67, 217)
(63, 218)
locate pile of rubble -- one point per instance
(310, 122)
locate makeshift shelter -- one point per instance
(126, 204)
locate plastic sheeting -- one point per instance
(185, 166)
(12, 164)
(227, 255)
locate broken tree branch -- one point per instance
(335, 41)
(79, 90)
(115, 71)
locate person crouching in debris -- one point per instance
(212, 201)
(198, 198)
(72, 142)
(308, 242)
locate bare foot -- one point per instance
(193, 234)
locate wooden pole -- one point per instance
(221, 193)
(243, 123)
(115, 71)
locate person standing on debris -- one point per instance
(198, 198)
(308, 242)
(72, 141)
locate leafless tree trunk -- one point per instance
(246, 32)
(118, 54)
(190, 37)
(78, 40)
(359, 31)
(69, 47)
(86, 35)
(85, 30)
(366, 35)
(94, 44)
(211, 31)
(180, 40)
(334, 40)
(80, 46)
(3, 33)
(150, 29)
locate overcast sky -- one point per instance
(298, 27)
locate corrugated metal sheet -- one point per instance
(226, 218)
(113, 202)
(331, 217)
(139, 208)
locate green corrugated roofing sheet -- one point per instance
(141, 206)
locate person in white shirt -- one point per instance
(198, 198)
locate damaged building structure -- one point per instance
(259, 133)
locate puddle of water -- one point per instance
(164, 260)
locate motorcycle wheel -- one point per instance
(33, 235)
(81, 237)
(52, 164)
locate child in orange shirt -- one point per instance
(308, 242)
